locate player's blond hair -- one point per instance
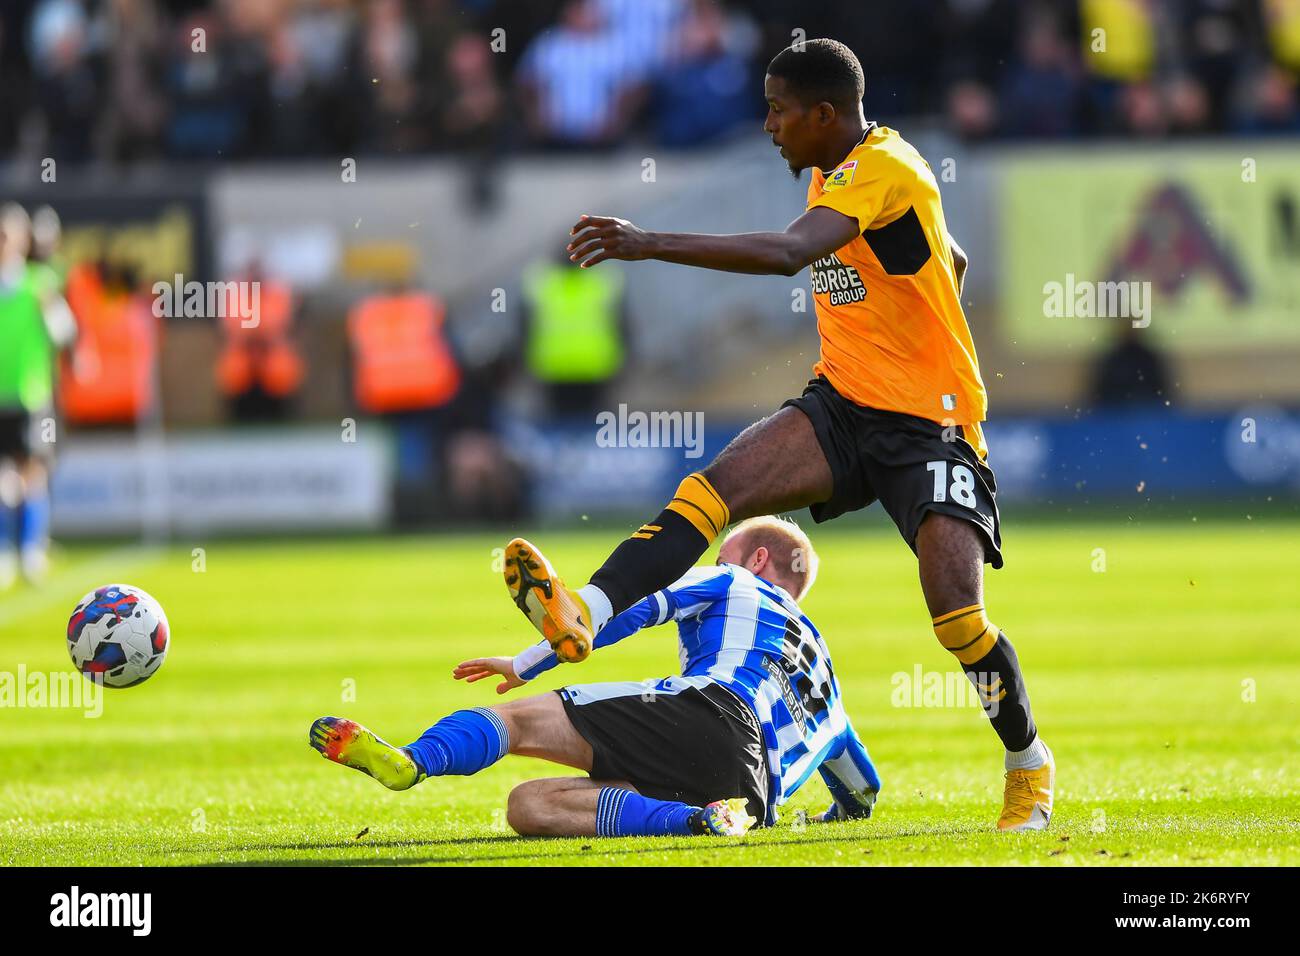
(791, 553)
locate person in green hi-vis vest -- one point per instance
(35, 322)
(575, 333)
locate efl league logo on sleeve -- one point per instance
(842, 176)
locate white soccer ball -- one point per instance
(118, 634)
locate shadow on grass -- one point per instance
(738, 847)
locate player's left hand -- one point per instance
(830, 815)
(597, 238)
(479, 668)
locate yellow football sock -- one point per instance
(699, 503)
(966, 633)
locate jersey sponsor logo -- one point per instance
(839, 282)
(841, 176)
(792, 702)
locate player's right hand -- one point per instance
(597, 238)
(481, 667)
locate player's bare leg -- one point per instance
(950, 554)
(578, 806)
(557, 806)
(774, 465)
(539, 727)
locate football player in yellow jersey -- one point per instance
(893, 412)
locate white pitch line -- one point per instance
(70, 584)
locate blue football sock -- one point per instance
(461, 743)
(624, 813)
(35, 520)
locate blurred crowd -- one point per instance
(132, 80)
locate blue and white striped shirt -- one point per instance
(749, 635)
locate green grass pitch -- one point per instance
(1166, 684)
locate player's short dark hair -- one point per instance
(821, 71)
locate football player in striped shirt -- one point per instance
(755, 712)
(893, 412)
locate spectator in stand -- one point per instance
(1271, 104)
(388, 52)
(581, 86)
(15, 82)
(1187, 105)
(1120, 41)
(972, 109)
(67, 87)
(471, 111)
(134, 109)
(645, 30)
(974, 33)
(1212, 36)
(1041, 91)
(1282, 31)
(123, 80)
(704, 91)
(215, 95)
(309, 82)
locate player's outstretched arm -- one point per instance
(481, 667)
(816, 233)
(851, 778)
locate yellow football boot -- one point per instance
(558, 613)
(347, 743)
(1027, 798)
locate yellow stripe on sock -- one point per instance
(699, 503)
(953, 615)
(713, 493)
(966, 633)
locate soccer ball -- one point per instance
(118, 635)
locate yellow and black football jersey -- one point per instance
(893, 334)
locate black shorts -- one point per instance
(672, 740)
(20, 434)
(902, 460)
